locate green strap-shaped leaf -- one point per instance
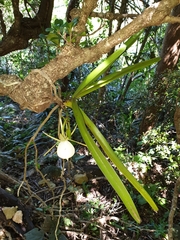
(102, 68)
(114, 76)
(97, 72)
(117, 162)
(104, 165)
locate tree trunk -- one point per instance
(169, 57)
(177, 122)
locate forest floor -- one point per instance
(70, 200)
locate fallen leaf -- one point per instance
(50, 184)
(17, 218)
(9, 212)
(80, 178)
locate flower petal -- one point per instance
(65, 150)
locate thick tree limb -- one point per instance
(24, 29)
(35, 92)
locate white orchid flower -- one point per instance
(65, 149)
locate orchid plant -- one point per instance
(106, 158)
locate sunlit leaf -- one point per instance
(97, 72)
(102, 68)
(114, 76)
(104, 164)
(53, 37)
(116, 161)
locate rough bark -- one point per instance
(24, 28)
(36, 91)
(169, 57)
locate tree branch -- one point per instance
(87, 8)
(25, 28)
(71, 5)
(3, 26)
(17, 14)
(171, 19)
(35, 92)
